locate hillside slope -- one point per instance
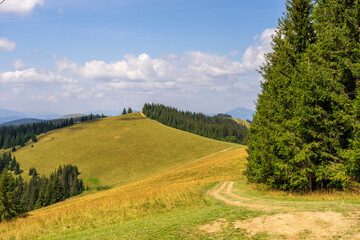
(117, 150)
(243, 122)
(174, 205)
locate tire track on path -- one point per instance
(223, 189)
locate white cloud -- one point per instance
(194, 77)
(192, 66)
(6, 44)
(254, 55)
(2, 99)
(20, 7)
(46, 99)
(32, 75)
(19, 64)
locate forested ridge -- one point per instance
(18, 196)
(11, 136)
(216, 127)
(305, 134)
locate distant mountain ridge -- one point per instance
(242, 113)
(10, 115)
(75, 115)
(21, 121)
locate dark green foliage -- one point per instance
(124, 112)
(87, 118)
(212, 127)
(305, 133)
(33, 172)
(10, 205)
(62, 184)
(17, 196)
(129, 110)
(224, 115)
(11, 136)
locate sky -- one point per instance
(80, 56)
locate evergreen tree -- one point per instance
(10, 205)
(301, 133)
(124, 112)
(129, 110)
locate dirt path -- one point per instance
(222, 192)
(291, 225)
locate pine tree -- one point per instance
(10, 206)
(301, 133)
(124, 112)
(338, 26)
(129, 110)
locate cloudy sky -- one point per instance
(84, 55)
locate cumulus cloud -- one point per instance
(6, 44)
(33, 75)
(254, 55)
(19, 64)
(46, 99)
(132, 67)
(202, 77)
(20, 7)
(192, 66)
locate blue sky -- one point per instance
(85, 55)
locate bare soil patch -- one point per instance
(300, 225)
(215, 226)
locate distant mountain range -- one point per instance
(21, 121)
(10, 115)
(241, 113)
(76, 115)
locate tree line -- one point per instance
(11, 136)
(305, 134)
(216, 127)
(18, 196)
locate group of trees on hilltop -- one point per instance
(11, 136)
(18, 196)
(305, 134)
(219, 128)
(129, 110)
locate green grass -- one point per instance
(165, 201)
(116, 150)
(178, 224)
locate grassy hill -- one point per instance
(174, 205)
(116, 150)
(243, 122)
(193, 197)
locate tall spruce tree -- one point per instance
(301, 136)
(338, 24)
(10, 205)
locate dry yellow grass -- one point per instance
(180, 187)
(243, 122)
(116, 150)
